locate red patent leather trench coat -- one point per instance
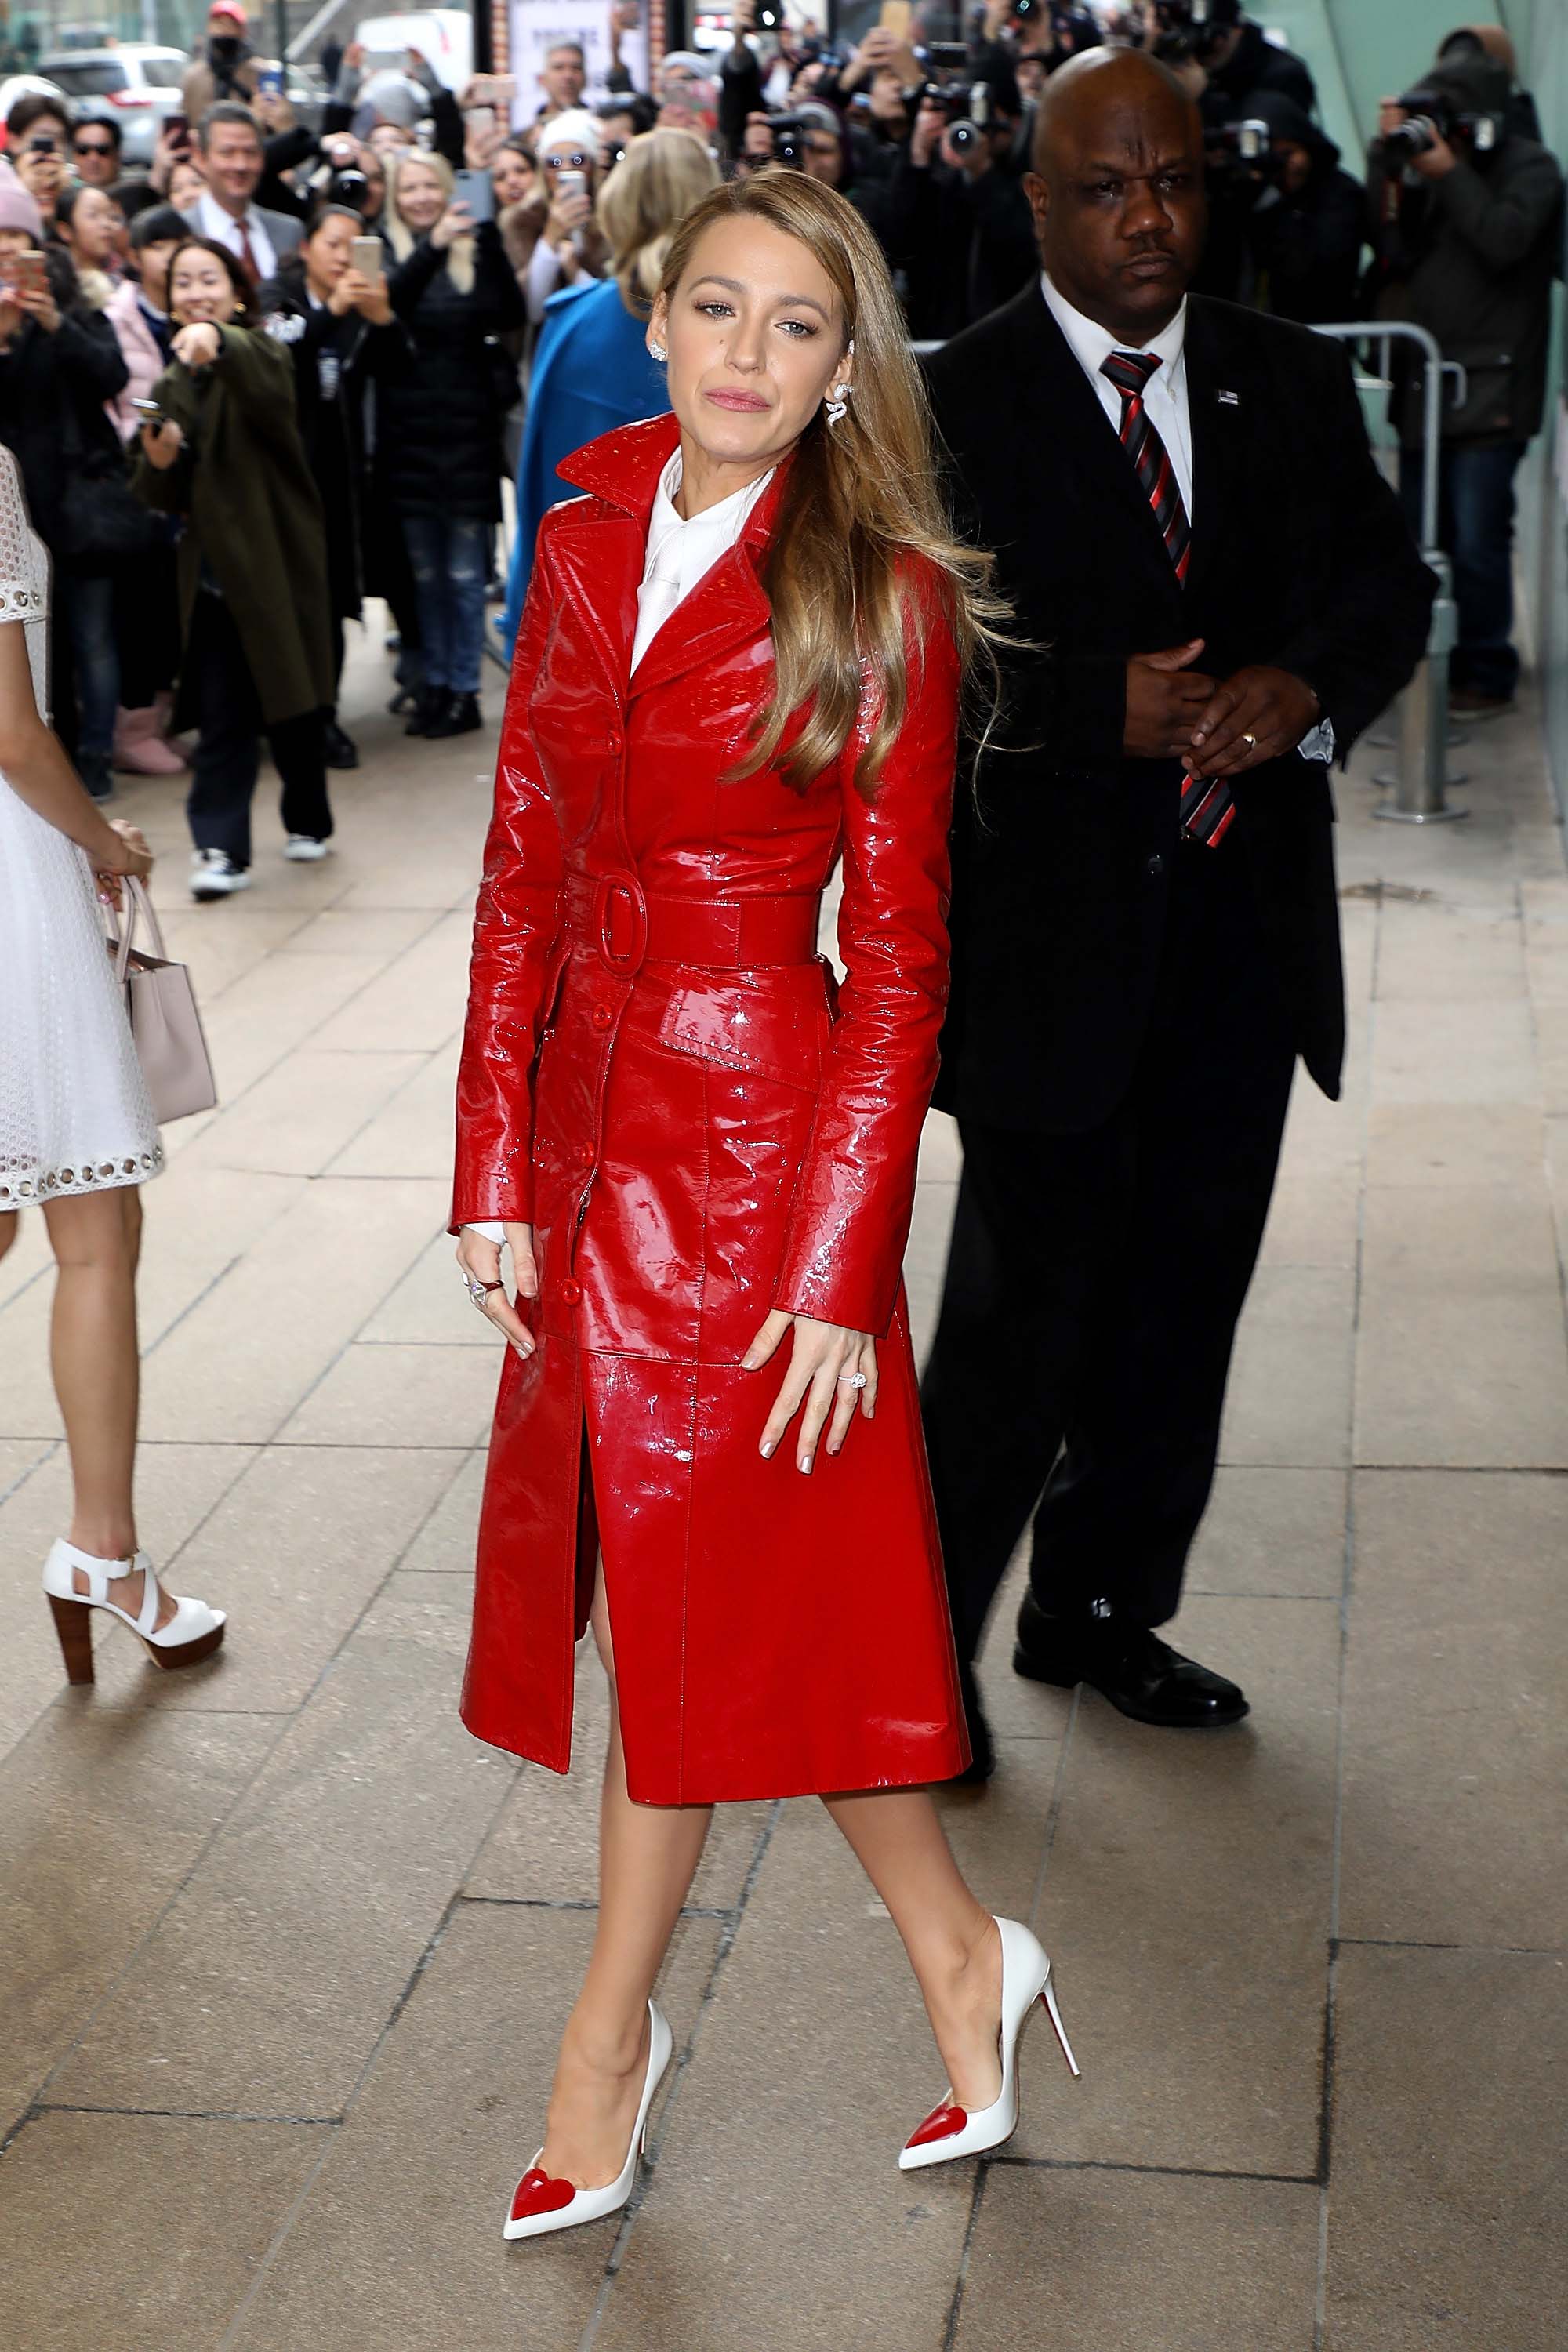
(654, 1075)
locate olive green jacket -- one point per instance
(252, 515)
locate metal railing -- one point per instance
(1420, 778)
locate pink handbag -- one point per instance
(161, 1003)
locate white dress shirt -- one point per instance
(223, 229)
(1166, 398)
(678, 554)
(1166, 405)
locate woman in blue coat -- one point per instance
(591, 370)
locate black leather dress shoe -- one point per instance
(1131, 1666)
(342, 750)
(983, 1756)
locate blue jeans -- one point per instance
(450, 562)
(95, 658)
(1475, 530)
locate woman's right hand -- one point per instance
(479, 1260)
(122, 856)
(566, 215)
(162, 442)
(455, 222)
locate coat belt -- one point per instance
(624, 925)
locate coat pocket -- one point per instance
(775, 1029)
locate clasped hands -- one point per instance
(1214, 727)
(826, 1360)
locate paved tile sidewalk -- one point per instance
(285, 1953)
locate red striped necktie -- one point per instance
(1207, 808)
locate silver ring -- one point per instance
(852, 1380)
(477, 1293)
(1250, 741)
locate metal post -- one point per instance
(1420, 780)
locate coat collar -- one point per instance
(600, 543)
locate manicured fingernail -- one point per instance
(747, 1365)
(804, 1465)
(767, 1449)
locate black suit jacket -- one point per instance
(1063, 856)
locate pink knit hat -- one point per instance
(17, 209)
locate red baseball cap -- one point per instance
(235, 8)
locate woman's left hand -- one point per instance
(199, 345)
(831, 1370)
(39, 304)
(368, 296)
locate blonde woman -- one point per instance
(440, 423)
(592, 368)
(740, 661)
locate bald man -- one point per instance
(1223, 592)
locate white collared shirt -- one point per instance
(1165, 399)
(679, 553)
(223, 229)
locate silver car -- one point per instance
(132, 85)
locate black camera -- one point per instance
(789, 141)
(1191, 30)
(348, 188)
(965, 106)
(1243, 149)
(1430, 117)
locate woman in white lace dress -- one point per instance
(77, 1133)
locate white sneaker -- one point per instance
(214, 876)
(305, 849)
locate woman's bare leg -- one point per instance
(949, 1937)
(97, 1238)
(647, 1858)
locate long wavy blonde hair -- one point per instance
(400, 236)
(860, 501)
(653, 187)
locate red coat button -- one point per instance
(601, 1017)
(584, 1155)
(571, 1292)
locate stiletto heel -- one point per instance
(950, 2131)
(1049, 2003)
(191, 1633)
(75, 1630)
(541, 2204)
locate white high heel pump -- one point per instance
(191, 1633)
(950, 2131)
(541, 2204)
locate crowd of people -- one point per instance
(323, 338)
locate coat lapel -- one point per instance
(727, 606)
(1056, 396)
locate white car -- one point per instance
(132, 85)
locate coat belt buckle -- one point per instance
(620, 896)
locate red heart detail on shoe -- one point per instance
(940, 2124)
(537, 2193)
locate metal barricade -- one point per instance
(1420, 779)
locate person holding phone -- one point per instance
(330, 309)
(440, 423)
(223, 454)
(571, 244)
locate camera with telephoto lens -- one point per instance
(965, 106)
(348, 188)
(1429, 117)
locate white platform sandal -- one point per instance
(191, 1633)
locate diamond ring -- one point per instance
(852, 1380)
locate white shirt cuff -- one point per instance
(488, 1233)
(1319, 743)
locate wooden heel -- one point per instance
(73, 1624)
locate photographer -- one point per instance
(964, 233)
(1286, 223)
(1466, 228)
(1242, 63)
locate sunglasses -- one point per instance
(92, 147)
(567, 163)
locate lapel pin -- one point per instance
(1227, 400)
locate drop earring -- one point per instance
(838, 403)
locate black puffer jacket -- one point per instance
(441, 421)
(1471, 257)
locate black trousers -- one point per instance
(229, 744)
(1093, 1286)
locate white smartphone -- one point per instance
(367, 256)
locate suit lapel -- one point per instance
(1225, 406)
(1055, 395)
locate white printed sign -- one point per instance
(537, 25)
